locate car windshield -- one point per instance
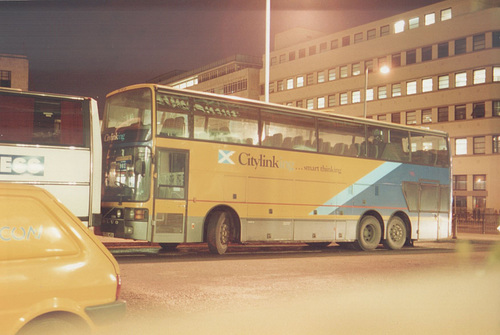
(127, 174)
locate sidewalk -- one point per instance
(118, 243)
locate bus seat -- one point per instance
(338, 148)
(277, 140)
(287, 143)
(353, 150)
(325, 147)
(298, 141)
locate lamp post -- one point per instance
(384, 69)
(268, 48)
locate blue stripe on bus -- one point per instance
(348, 194)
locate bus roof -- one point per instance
(41, 94)
(294, 110)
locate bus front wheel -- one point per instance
(396, 234)
(369, 233)
(219, 232)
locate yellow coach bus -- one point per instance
(181, 166)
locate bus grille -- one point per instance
(169, 223)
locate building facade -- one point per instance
(444, 62)
(14, 70)
(237, 75)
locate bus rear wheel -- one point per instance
(369, 233)
(219, 232)
(396, 234)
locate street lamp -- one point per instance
(384, 69)
(268, 48)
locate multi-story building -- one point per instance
(237, 75)
(444, 62)
(14, 71)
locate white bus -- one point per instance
(53, 141)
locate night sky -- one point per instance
(93, 47)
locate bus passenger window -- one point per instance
(287, 131)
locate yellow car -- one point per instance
(56, 277)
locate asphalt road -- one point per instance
(432, 288)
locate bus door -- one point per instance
(428, 221)
(170, 203)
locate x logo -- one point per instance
(225, 157)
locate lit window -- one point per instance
(396, 90)
(496, 144)
(430, 19)
(399, 26)
(356, 97)
(369, 94)
(356, 69)
(343, 98)
(427, 116)
(382, 92)
(411, 117)
(413, 23)
(321, 102)
(280, 86)
(443, 82)
(427, 85)
(321, 76)
(411, 87)
(460, 146)
(332, 74)
(310, 103)
(343, 71)
(289, 84)
(496, 108)
(496, 73)
(300, 81)
(461, 79)
(446, 14)
(479, 76)
(479, 182)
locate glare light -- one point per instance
(385, 69)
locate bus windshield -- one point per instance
(128, 117)
(126, 175)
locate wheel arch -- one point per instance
(72, 318)
(235, 220)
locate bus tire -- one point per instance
(369, 233)
(396, 234)
(219, 232)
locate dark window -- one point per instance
(334, 44)
(291, 55)
(396, 117)
(312, 50)
(426, 53)
(346, 40)
(385, 30)
(478, 110)
(396, 60)
(496, 39)
(358, 37)
(302, 53)
(442, 114)
(460, 46)
(460, 182)
(411, 57)
(371, 34)
(478, 42)
(443, 50)
(5, 79)
(460, 112)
